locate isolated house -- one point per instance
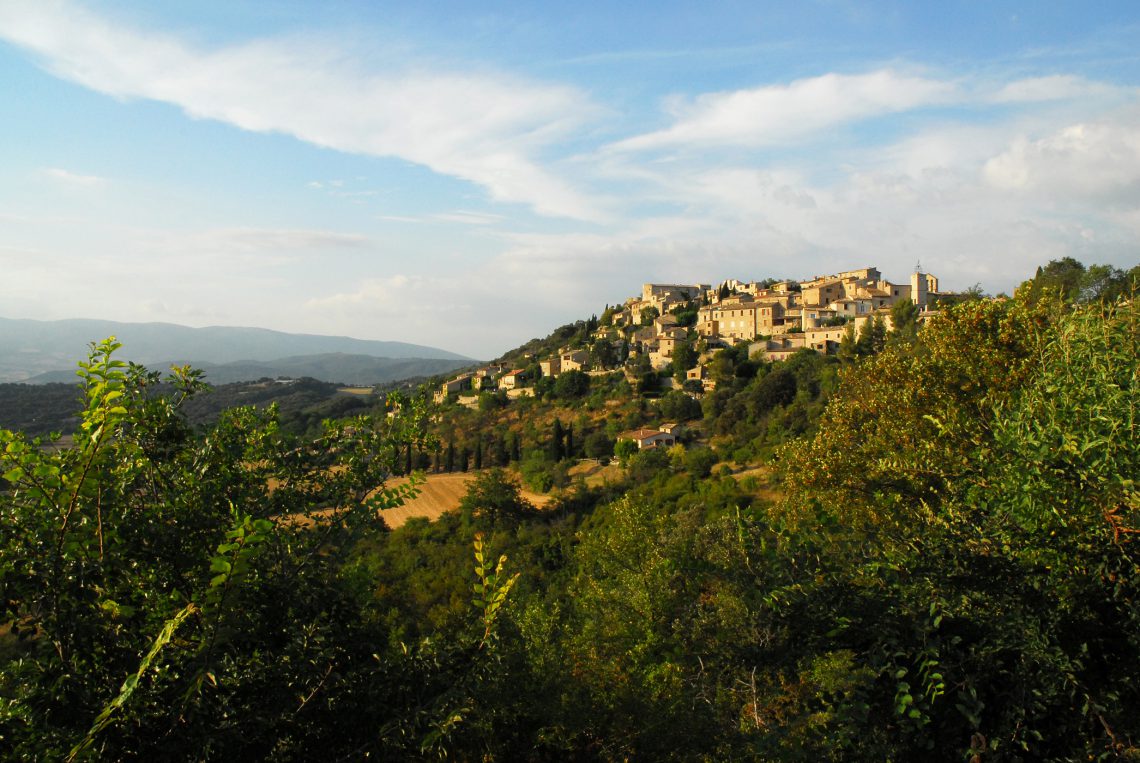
(649, 438)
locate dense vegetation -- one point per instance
(302, 404)
(949, 570)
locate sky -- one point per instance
(472, 175)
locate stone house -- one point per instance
(512, 379)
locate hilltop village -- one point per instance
(680, 326)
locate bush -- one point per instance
(537, 472)
(571, 384)
(700, 461)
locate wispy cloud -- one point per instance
(1054, 87)
(777, 114)
(483, 127)
(72, 178)
(469, 218)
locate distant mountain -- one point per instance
(30, 349)
(329, 367)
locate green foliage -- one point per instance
(904, 320)
(965, 515)
(1070, 281)
(571, 384)
(490, 590)
(493, 497)
(684, 358)
(676, 405)
(624, 450)
(237, 547)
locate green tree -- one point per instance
(848, 346)
(557, 448)
(571, 384)
(602, 354)
(624, 450)
(684, 358)
(598, 445)
(904, 320)
(493, 496)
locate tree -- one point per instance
(684, 358)
(478, 453)
(493, 496)
(872, 337)
(776, 389)
(904, 320)
(848, 346)
(1061, 277)
(598, 445)
(722, 367)
(675, 405)
(557, 450)
(649, 314)
(602, 354)
(571, 384)
(645, 376)
(624, 450)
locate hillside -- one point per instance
(29, 348)
(922, 545)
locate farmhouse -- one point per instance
(649, 438)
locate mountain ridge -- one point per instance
(328, 367)
(30, 348)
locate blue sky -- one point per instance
(471, 175)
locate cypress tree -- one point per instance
(556, 436)
(479, 454)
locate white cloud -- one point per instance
(72, 178)
(1096, 159)
(482, 127)
(1054, 87)
(778, 114)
